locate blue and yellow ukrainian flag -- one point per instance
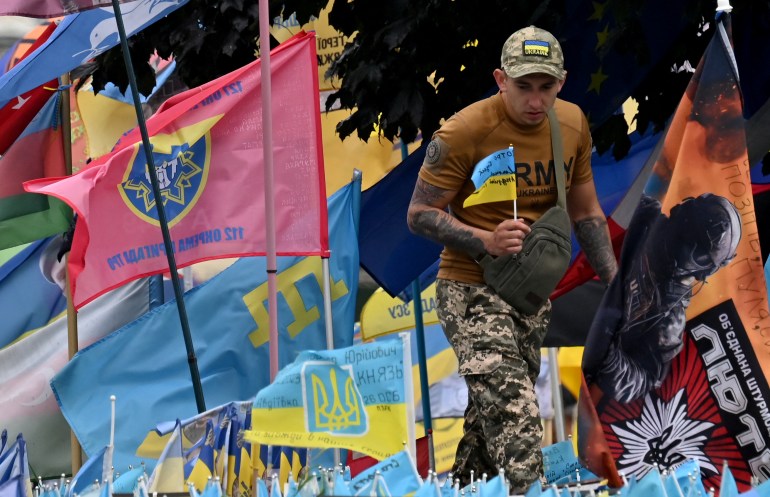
(353, 398)
(494, 178)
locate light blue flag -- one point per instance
(728, 487)
(767, 274)
(97, 467)
(341, 486)
(145, 363)
(494, 488)
(447, 488)
(398, 476)
(549, 492)
(275, 486)
(429, 488)
(651, 485)
(262, 488)
(13, 487)
(559, 461)
(78, 39)
(29, 298)
(685, 478)
(762, 490)
(213, 490)
(562, 466)
(126, 482)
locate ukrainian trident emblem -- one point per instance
(333, 403)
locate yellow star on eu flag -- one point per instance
(597, 79)
(601, 36)
(598, 13)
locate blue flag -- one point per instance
(14, 461)
(29, 299)
(97, 467)
(649, 486)
(229, 322)
(13, 487)
(78, 39)
(398, 476)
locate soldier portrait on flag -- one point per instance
(675, 361)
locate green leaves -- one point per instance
(411, 64)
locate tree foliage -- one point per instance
(410, 64)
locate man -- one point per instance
(498, 347)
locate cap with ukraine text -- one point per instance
(532, 50)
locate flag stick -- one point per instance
(422, 361)
(267, 151)
(192, 360)
(558, 404)
(112, 420)
(327, 291)
(515, 194)
(76, 456)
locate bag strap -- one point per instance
(558, 158)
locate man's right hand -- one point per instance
(507, 238)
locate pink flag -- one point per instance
(207, 147)
(50, 8)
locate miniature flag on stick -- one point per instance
(494, 178)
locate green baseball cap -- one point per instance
(532, 50)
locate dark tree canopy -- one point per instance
(410, 64)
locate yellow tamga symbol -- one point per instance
(332, 412)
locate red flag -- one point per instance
(17, 113)
(676, 359)
(207, 149)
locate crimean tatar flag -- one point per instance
(207, 148)
(676, 362)
(356, 398)
(494, 178)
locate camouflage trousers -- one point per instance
(498, 350)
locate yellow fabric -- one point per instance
(447, 433)
(570, 360)
(104, 119)
(375, 158)
(287, 427)
(383, 314)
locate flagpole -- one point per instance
(422, 361)
(76, 455)
(267, 153)
(192, 360)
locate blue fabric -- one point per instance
(76, 40)
(28, 300)
(145, 363)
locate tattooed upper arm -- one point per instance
(429, 195)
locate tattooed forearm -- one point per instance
(427, 217)
(443, 228)
(594, 238)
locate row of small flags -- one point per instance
(394, 476)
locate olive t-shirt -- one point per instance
(483, 128)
